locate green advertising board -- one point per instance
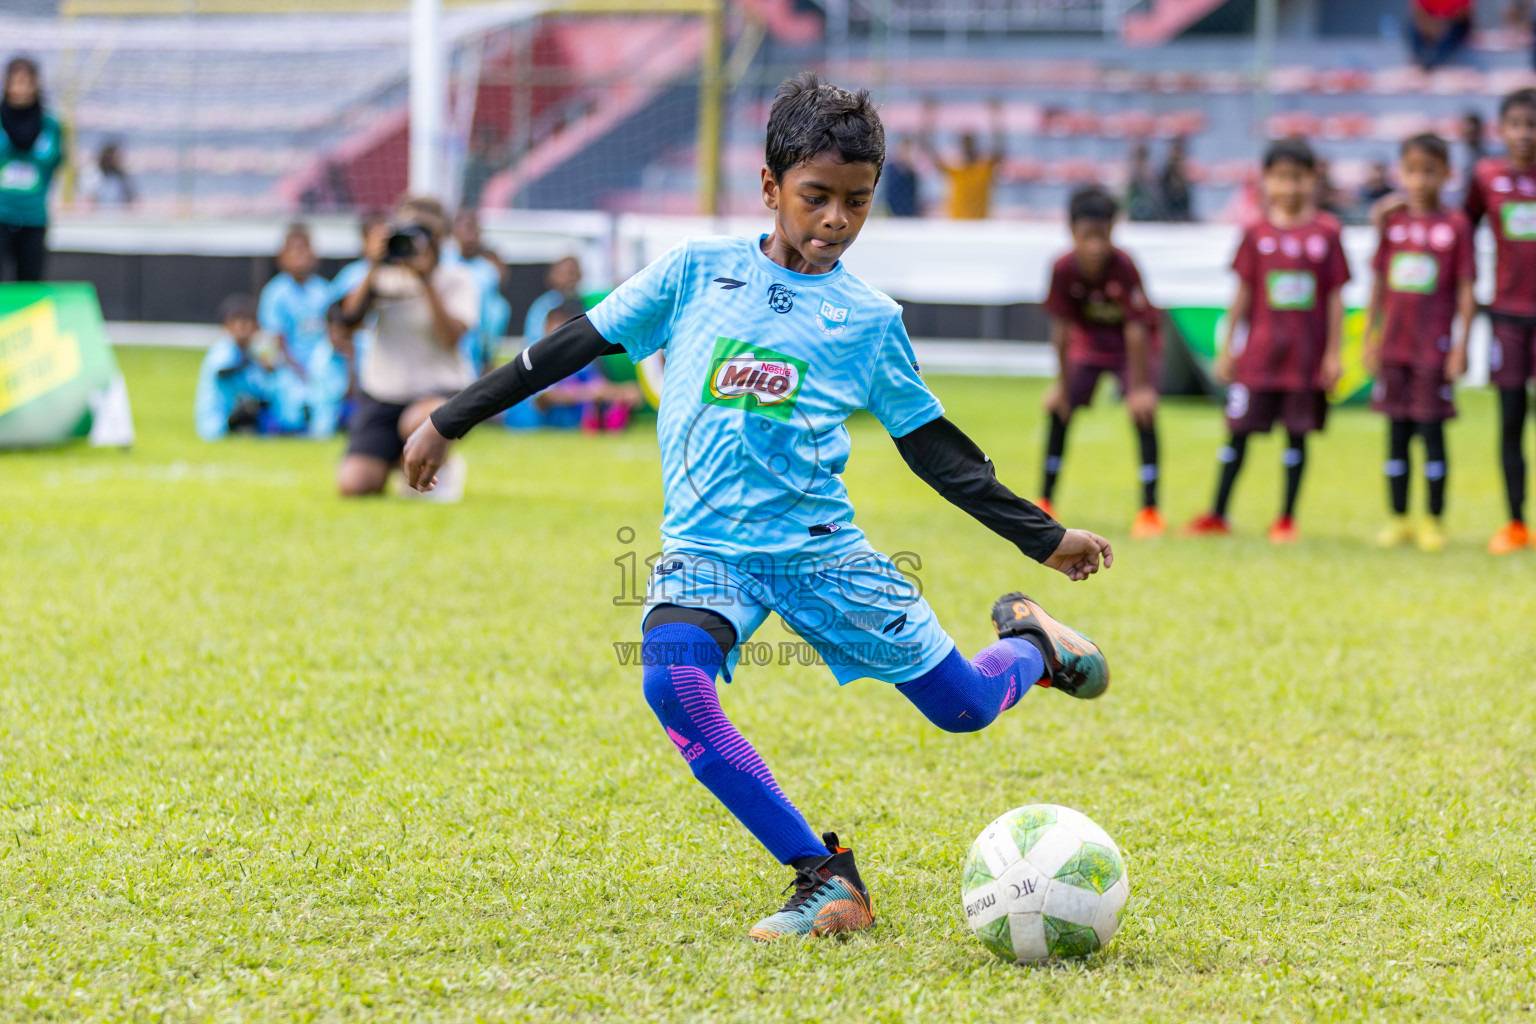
(58, 377)
(1199, 326)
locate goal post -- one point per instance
(430, 56)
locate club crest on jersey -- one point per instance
(780, 298)
(753, 378)
(833, 320)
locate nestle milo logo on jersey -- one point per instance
(1519, 221)
(747, 376)
(1417, 272)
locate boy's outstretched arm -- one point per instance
(948, 461)
(547, 361)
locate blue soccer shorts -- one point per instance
(859, 612)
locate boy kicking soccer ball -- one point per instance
(771, 344)
(1290, 267)
(1101, 322)
(1422, 304)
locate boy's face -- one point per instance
(466, 231)
(297, 258)
(565, 275)
(1424, 175)
(242, 328)
(821, 205)
(1517, 130)
(1091, 244)
(21, 88)
(1288, 185)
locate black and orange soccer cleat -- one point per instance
(828, 898)
(1073, 663)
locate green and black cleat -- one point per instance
(829, 897)
(1074, 664)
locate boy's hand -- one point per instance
(1333, 369)
(425, 451)
(1141, 403)
(1455, 364)
(1224, 367)
(1056, 401)
(1077, 556)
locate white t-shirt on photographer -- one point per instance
(407, 362)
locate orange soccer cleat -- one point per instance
(1208, 524)
(1148, 524)
(1046, 506)
(1513, 537)
(1284, 531)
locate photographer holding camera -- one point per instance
(422, 308)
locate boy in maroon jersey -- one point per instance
(1101, 322)
(1504, 189)
(1421, 312)
(1290, 267)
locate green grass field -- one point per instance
(268, 756)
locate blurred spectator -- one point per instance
(495, 312)
(1377, 184)
(293, 303)
(564, 280)
(1474, 136)
(422, 308)
(1437, 29)
(899, 182)
(1141, 187)
(1328, 197)
(111, 188)
(245, 388)
(1174, 193)
(331, 380)
(586, 399)
(353, 340)
(970, 179)
(373, 222)
(333, 192)
(31, 149)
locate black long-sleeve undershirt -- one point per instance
(939, 452)
(547, 361)
(950, 462)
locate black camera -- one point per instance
(406, 242)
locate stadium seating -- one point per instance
(601, 113)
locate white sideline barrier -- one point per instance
(937, 356)
(940, 261)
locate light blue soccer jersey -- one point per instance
(296, 311)
(763, 366)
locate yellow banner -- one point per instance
(35, 357)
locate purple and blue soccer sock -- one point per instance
(965, 696)
(681, 662)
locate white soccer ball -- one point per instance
(1043, 881)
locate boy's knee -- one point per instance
(664, 651)
(357, 479)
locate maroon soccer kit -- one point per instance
(1507, 197)
(1291, 273)
(1422, 260)
(1097, 312)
